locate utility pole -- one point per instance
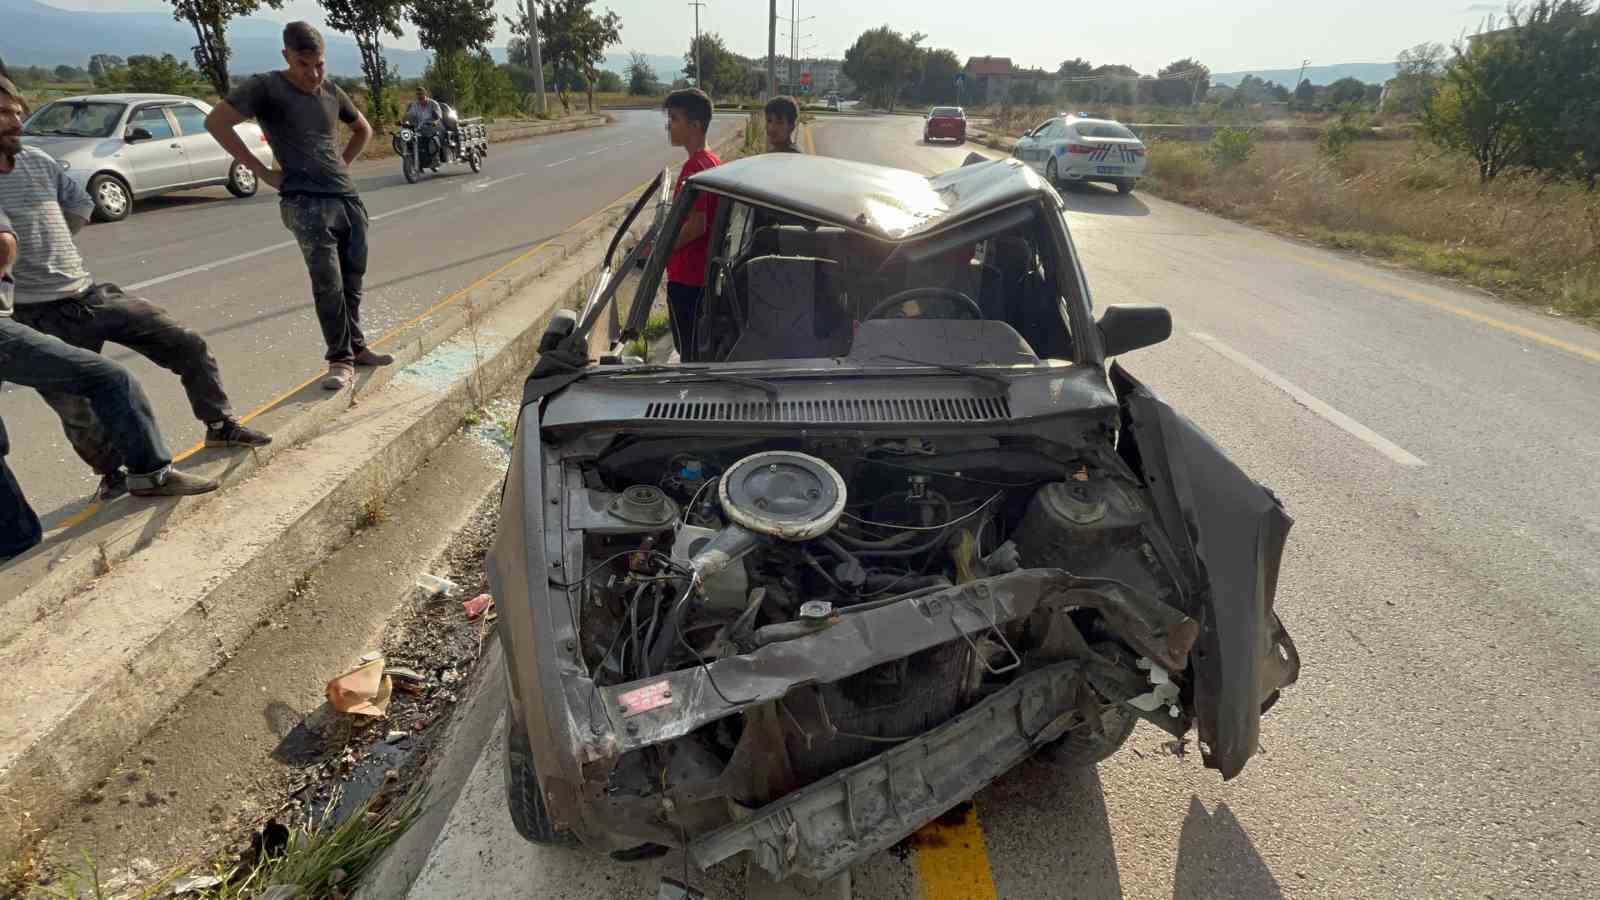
(538, 61)
(1303, 64)
(772, 50)
(699, 73)
(794, 44)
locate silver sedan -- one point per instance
(123, 147)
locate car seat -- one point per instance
(793, 309)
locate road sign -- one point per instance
(961, 78)
(805, 77)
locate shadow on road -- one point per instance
(1077, 841)
(1097, 200)
(1217, 859)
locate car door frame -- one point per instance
(212, 164)
(145, 183)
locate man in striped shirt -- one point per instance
(56, 294)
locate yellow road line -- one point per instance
(953, 857)
(1352, 272)
(809, 141)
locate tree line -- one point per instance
(458, 32)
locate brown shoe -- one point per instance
(339, 376)
(169, 483)
(366, 357)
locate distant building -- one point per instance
(988, 79)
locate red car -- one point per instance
(945, 123)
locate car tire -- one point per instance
(1125, 186)
(112, 199)
(241, 181)
(1050, 175)
(524, 799)
(1082, 748)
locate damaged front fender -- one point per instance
(1229, 534)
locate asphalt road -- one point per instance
(253, 302)
(1438, 451)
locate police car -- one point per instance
(1077, 147)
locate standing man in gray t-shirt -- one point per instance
(300, 112)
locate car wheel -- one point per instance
(926, 139)
(1125, 186)
(525, 800)
(242, 181)
(112, 199)
(1050, 172)
(1082, 747)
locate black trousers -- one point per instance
(19, 527)
(102, 315)
(332, 234)
(683, 307)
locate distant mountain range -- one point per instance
(34, 34)
(1371, 73)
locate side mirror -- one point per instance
(1125, 328)
(136, 134)
(561, 326)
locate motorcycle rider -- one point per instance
(428, 116)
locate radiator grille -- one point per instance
(842, 411)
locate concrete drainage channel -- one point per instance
(108, 639)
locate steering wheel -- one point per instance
(943, 293)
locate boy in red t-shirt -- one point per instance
(688, 118)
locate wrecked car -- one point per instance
(890, 528)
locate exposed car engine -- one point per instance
(698, 550)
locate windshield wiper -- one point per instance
(765, 387)
(972, 371)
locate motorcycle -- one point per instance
(426, 147)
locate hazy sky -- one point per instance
(1227, 35)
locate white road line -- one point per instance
(1350, 426)
(623, 143)
(477, 186)
(559, 162)
(597, 150)
(260, 251)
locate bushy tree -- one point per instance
(1076, 90)
(1346, 91)
(1526, 95)
(641, 75)
(209, 19)
(724, 70)
(937, 83)
(448, 27)
(164, 74)
(883, 62)
(367, 21)
(100, 63)
(1416, 77)
(1182, 82)
(576, 37)
(1305, 94)
(609, 82)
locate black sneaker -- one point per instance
(112, 486)
(232, 434)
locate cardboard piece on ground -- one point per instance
(362, 691)
(477, 605)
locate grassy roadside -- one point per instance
(1526, 239)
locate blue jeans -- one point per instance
(47, 364)
(19, 527)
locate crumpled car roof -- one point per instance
(887, 203)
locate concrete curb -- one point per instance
(41, 581)
(90, 680)
(95, 667)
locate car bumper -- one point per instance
(1087, 170)
(946, 132)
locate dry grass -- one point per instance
(1017, 119)
(1528, 239)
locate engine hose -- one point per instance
(675, 617)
